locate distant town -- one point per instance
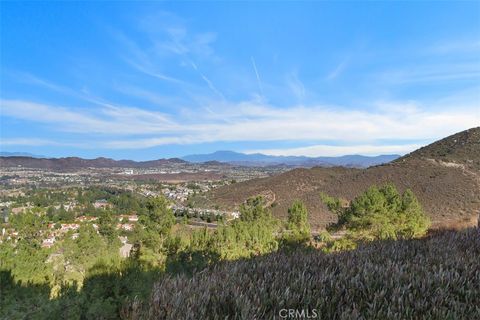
(183, 184)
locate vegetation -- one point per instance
(253, 234)
(380, 213)
(460, 148)
(298, 220)
(430, 278)
(82, 276)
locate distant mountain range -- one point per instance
(14, 159)
(19, 154)
(75, 163)
(258, 159)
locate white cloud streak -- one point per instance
(258, 77)
(296, 85)
(358, 131)
(338, 70)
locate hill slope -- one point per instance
(449, 192)
(461, 148)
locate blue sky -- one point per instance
(147, 80)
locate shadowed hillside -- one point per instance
(449, 192)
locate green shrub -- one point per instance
(380, 213)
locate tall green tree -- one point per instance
(156, 223)
(106, 225)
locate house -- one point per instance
(86, 219)
(48, 242)
(133, 218)
(101, 204)
(126, 226)
(69, 226)
(125, 217)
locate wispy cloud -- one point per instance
(207, 81)
(107, 120)
(457, 46)
(250, 121)
(296, 86)
(259, 82)
(430, 73)
(28, 142)
(148, 71)
(338, 70)
(172, 41)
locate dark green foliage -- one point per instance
(155, 224)
(29, 226)
(253, 209)
(105, 292)
(106, 225)
(381, 213)
(159, 217)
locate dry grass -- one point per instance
(433, 278)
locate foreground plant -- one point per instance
(430, 278)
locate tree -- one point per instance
(381, 213)
(298, 219)
(156, 223)
(106, 225)
(29, 226)
(253, 209)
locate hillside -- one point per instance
(431, 278)
(76, 163)
(449, 193)
(460, 148)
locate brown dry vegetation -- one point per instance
(447, 194)
(448, 191)
(432, 278)
(460, 148)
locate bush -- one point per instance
(380, 213)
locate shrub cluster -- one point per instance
(380, 213)
(437, 277)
